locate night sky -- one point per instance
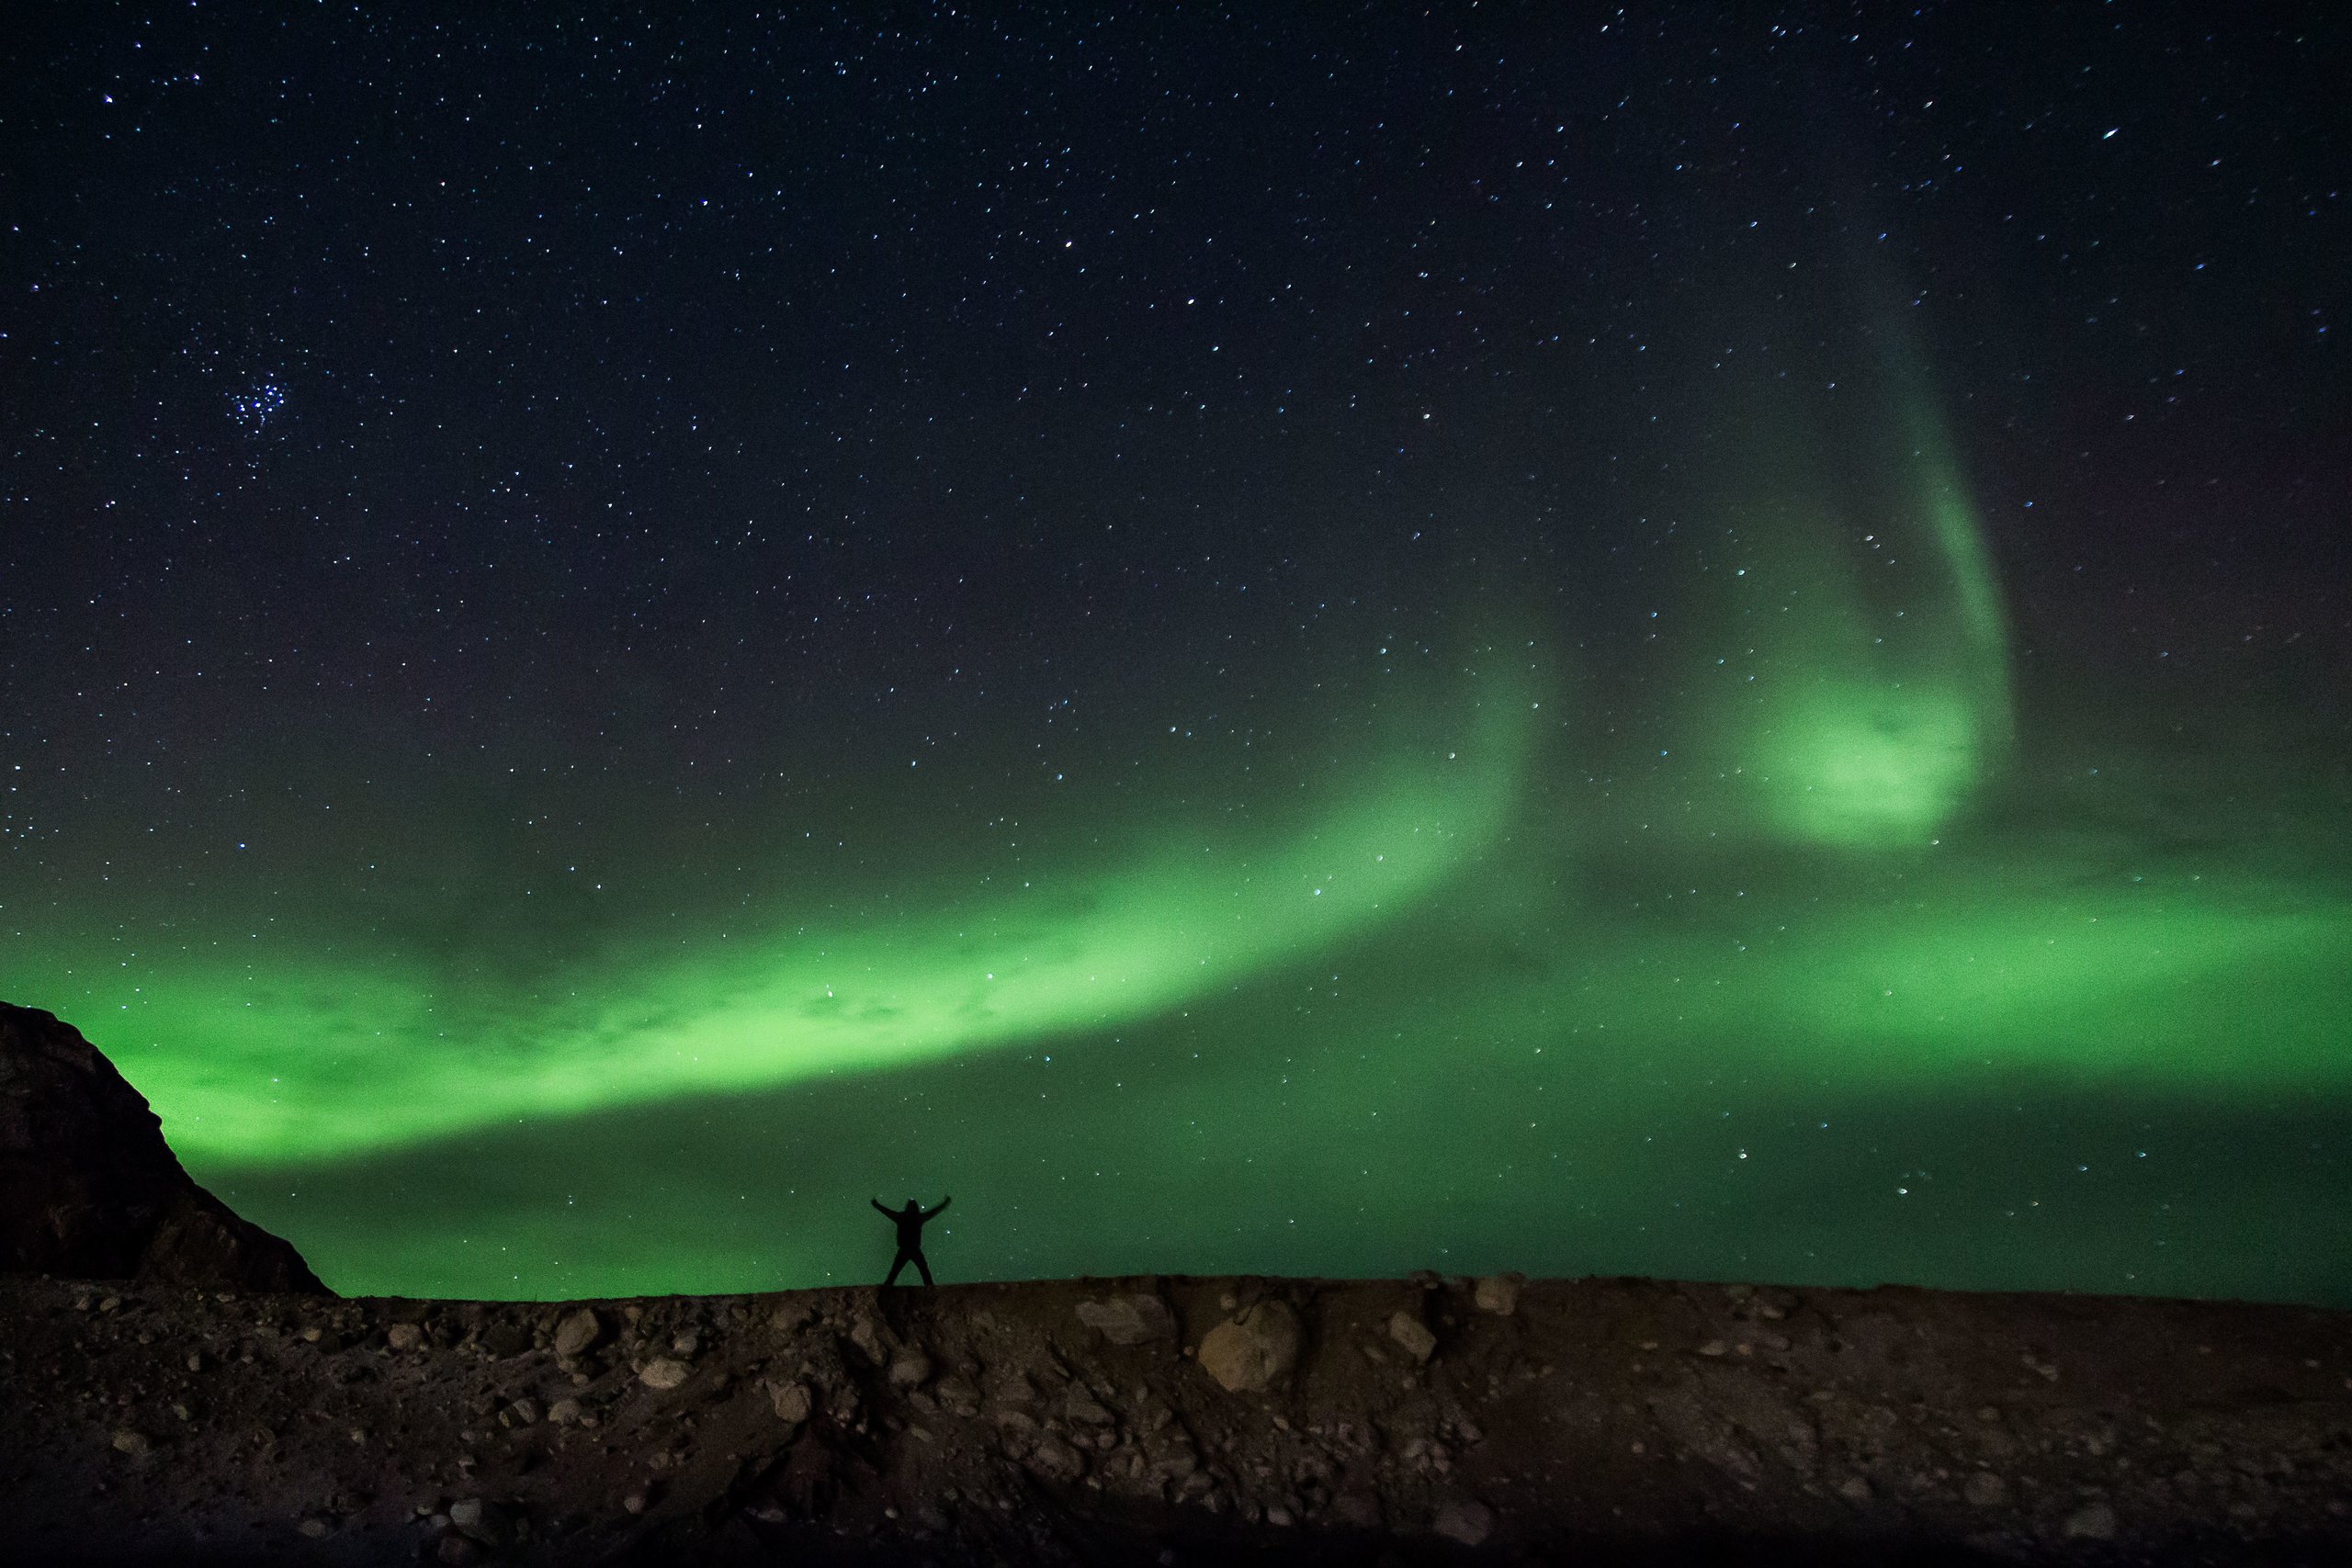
(1700, 642)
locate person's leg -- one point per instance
(923, 1268)
(896, 1264)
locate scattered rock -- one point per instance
(135, 1444)
(1854, 1489)
(313, 1527)
(1499, 1293)
(910, 1368)
(957, 1395)
(1412, 1333)
(1128, 1319)
(505, 1338)
(662, 1373)
(404, 1336)
(634, 1502)
(1245, 1354)
(564, 1412)
(1081, 1406)
(792, 1402)
(2094, 1521)
(578, 1332)
(1465, 1520)
(1985, 1490)
(1056, 1461)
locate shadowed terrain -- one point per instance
(1181, 1420)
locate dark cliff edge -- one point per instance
(89, 1187)
(1168, 1420)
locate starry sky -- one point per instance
(1704, 641)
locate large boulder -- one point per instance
(1246, 1353)
(88, 1188)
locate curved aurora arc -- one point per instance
(378, 1064)
(1844, 718)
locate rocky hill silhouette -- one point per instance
(88, 1187)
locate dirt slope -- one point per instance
(1175, 1420)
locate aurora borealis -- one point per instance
(1698, 647)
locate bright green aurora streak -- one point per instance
(314, 1058)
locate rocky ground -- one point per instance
(1174, 1421)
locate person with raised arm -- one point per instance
(910, 1220)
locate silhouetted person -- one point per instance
(910, 1220)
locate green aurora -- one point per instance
(1813, 997)
(384, 1061)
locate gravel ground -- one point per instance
(1174, 1421)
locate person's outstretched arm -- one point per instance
(887, 1214)
(943, 1203)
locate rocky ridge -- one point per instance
(1174, 1420)
(88, 1187)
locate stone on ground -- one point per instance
(1246, 1353)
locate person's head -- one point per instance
(913, 1204)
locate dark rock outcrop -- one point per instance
(89, 1189)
